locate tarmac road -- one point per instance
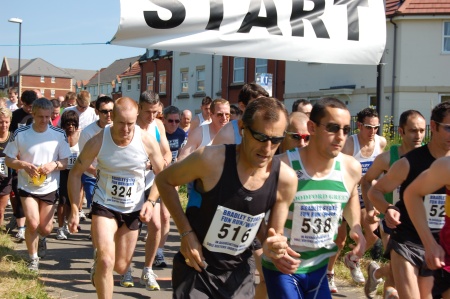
(65, 269)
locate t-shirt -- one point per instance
(19, 119)
(176, 140)
(11, 106)
(38, 148)
(87, 117)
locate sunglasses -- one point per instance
(227, 115)
(177, 121)
(367, 126)
(334, 128)
(298, 136)
(263, 137)
(104, 111)
(445, 126)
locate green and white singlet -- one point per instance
(315, 215)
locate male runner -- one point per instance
(437, 256)
(406, 250)
(411, 129)
(327, 188)
(204, 117)
(122, 151)
(237, 185)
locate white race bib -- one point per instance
(120, 191)
(3, 167)
(435, 208)
(231, 231)
(314, 225)
(72, 159)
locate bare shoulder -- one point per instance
(352, 166)
(383, 143)
(287, 174)
(382, 160)
(348, 146)
(160, 126)
(225, 135)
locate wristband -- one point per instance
(56, 164)
(185, 234)
(152, 201)
(392, 208)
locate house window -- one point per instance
(239, 69)
(128, 82)
(184, 75)
(139, 84)
(446, 42)
(42, 92)
(373, 101)
(162, 52)
(150, 80)
(260, 66)
(53, 79)
(201, 80)
(162, 82)
(108, 88)
(445, 97)
(52, 93)
(42, 79)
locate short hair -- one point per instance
(42, 103)
(70, 116)
(366, 112)
(149, 97)
(70, 96)
(103, 100)
(251, 91)
(13, 89)
(124, 103)
(84, 96)
(235, 109)
(5, 112)
(440, 111)
(405, 115)
(218, 102)
(298, 102)
(56, 103)
(318, 110)
(206, 101)
(170, 110)
(28, 97)
(268, 108)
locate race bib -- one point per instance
(3, 167)
(72, 159)
(435, 208)
(231, 231)
(120, 191)
(314, 225)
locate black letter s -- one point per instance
(176, 8)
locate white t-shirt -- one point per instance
(11, 106)
(87, 117)
(38, 148)
(86, 134)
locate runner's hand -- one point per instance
(73, 222)
(357, 236)
(31, 169)
(372, 217)
(392, 218)
(434, 256)
(191, 249)
(146, 212)
(289, 263)
(275, 245)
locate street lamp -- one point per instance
(18, 21)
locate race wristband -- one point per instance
(185, 234)
(392, 208)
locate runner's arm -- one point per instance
(379, 166)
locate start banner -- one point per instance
(322, 31)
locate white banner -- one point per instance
(324, 31)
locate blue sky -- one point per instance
(63, 22)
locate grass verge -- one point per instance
(16, 281)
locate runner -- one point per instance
(327, 188)
(437, 256)
(221, 223)
(297, 134)
(411, 129)
(38, 151)
(122, 152)
(204, 117)
(5, 172)
(405, 247)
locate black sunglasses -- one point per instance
(263, 137)
(173, 121)
(298, 136)
(334, 128)
(104, 111)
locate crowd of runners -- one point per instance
(268, 192)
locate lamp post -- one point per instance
(18, 21)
